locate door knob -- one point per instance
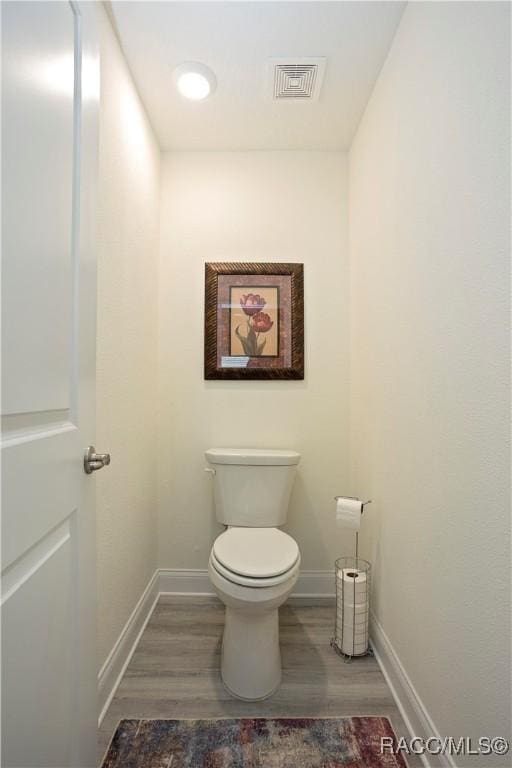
(94, 461)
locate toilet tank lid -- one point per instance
(252, 456)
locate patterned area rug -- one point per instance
(352, 742)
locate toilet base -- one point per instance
(242, 698)
(251, 657)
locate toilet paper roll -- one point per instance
(348, 625)
(359, 610)
(353, 582)
(351, 615)
(350, 647)
(353, 649)
(352, 618)
(352, 575)
(357, 639)
(358, 632)
(348, 513)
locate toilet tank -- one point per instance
(252, 486)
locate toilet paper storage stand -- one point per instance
(351, 625)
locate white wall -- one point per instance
(252, 206)
(429, 249)
(126, 344)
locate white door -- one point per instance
(50, 89)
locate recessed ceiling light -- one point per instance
(194, 81)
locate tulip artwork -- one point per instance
(254, 320)
(258, 322)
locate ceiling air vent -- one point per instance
(296, 79)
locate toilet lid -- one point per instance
(256, 552)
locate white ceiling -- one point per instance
(236, 39)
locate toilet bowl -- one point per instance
(253, 570)
(253, 566)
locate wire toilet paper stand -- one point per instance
(353, 588)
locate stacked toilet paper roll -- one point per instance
(352, 612)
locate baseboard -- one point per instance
(416, 718)
(181, 581)
(113, 669)
(184, 581)
(314, 584)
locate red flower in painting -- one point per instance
(252, 303)
(262, 322)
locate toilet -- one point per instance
(253, 566)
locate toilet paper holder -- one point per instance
(351, 632)
(363, 505)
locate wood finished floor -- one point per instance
(174, 672)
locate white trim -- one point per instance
(113, 669)
(314, 584)
(179, 581)
(183, 581)
(415, 715)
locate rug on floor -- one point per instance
(350, 742)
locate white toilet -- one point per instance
(253, 565)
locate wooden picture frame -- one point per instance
(254, 321)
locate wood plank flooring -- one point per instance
(174, 672)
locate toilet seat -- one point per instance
(256, 552)
(245, 581)
(255, 557)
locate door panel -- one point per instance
(41, 662)
(37, 138)
(28, 466)
(49, 153)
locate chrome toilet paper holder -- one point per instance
(363, 505)
(357, 562)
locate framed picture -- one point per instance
(254, 321)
